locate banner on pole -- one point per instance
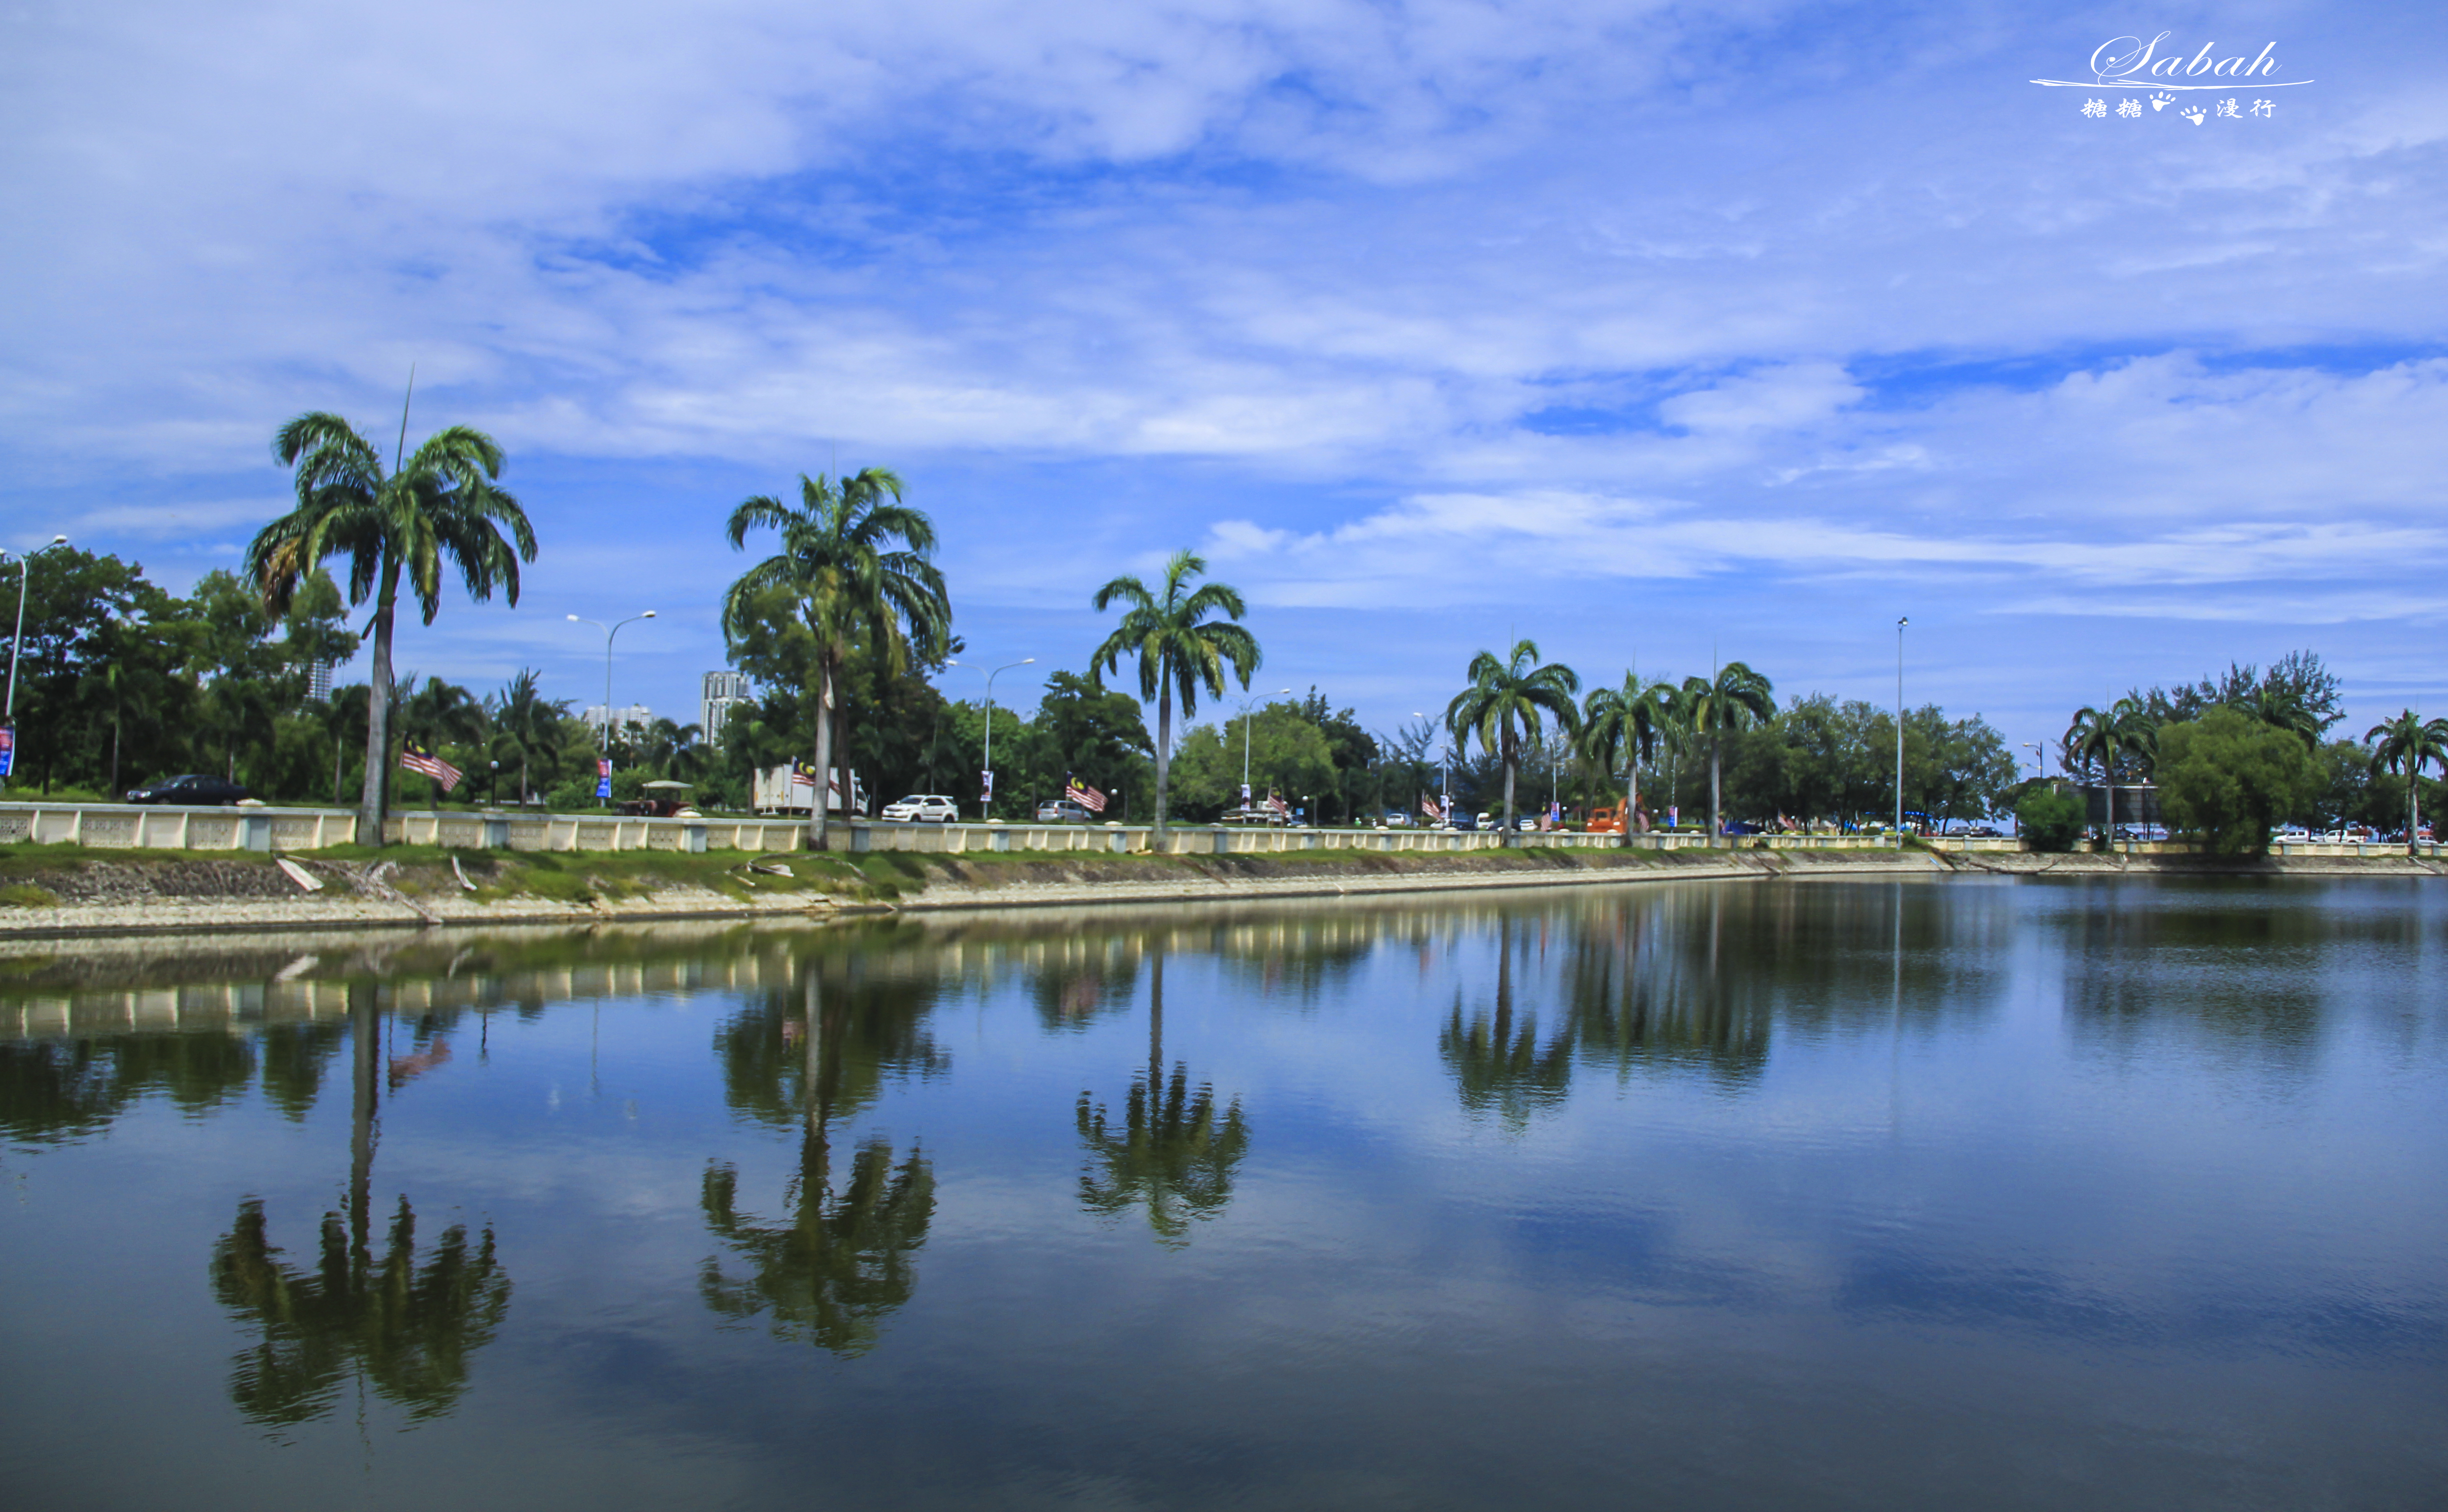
(8, 749)
(604, 776)
(985, 792)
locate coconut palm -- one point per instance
(1623, 724)
(2282, 709)
(839, 564)
(525, 725)
(1506, 703)
(1179, 647)
(2407, 744)
(2120, 734)
(441, 505)
(1714, 708)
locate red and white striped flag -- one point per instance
(421, 758)
(1084, 795)
(1428, 807)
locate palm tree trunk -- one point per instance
(1512, 758)
(1714, 802)
(1631, 801)
(820, 795)
(1163, 749)
(372, 806)
(1156, 1022)
(2412, 803)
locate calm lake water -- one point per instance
(1971, 1193)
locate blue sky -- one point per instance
(1653, 332)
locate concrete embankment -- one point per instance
(51, 893)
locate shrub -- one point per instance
(2049, 820)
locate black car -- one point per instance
(194, 788)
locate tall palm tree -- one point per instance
(2408, 744)
(1714, 708)
(840, 563)
(440, 505)
(1178, 649)
(1505, 702)
(1623, 724)
(2121, 734)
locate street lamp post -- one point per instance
(17, 642)
(2038, 759)
(986, 797)
(1901, 622)
(1247, 704)
(25, 564)
(609, 631)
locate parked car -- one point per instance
(1396, 819)
(1463, 821)
(922, 807)
(1260, 814)
(194, 788)
(1061, 810)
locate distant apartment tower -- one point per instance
(723, 692)
(628, 715)
(319, 682)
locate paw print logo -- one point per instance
(2161, 100)
(2195, 115)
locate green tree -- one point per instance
(2407, 744)
(2228, 777)
(841, 568)
(2048, 818)
(1179, 648)
(1093, 734)
(1714, 708)
(442, 504)
(1508, 699)
(1621, 726)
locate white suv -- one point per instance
(922, 807)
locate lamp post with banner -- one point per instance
(16, 645)
(604, 766)
(985, 782)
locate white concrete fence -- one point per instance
(113, 826)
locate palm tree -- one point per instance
(441, 503)
(2408, 744)
(525, 724)
(838, 564)
(1504, 704)
(1178, 652)
(1623, 724)
(2105, 737)
(2283, 710)
(1718, 707)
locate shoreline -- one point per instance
(973, 888)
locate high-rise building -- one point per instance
(628, 715)
(319, 682)
(723, 692)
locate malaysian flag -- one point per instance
(1082, 795)
(803, 772)
(421, 758)
(1283, 810)
(1428, 807)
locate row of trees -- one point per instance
(2238, 753)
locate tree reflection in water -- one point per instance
(1172, 1151)
(1646, 989)
(840, 1262)
(403, 1328)
(1498, 1063)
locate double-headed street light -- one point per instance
(1901, 622)
(2039, 755)
(986, 793)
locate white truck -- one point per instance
(777, 794)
